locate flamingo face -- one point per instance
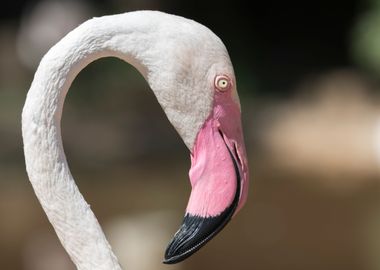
(218, 174)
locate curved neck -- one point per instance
(70, 215)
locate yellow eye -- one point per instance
(222, 83)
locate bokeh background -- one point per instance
(308, 75)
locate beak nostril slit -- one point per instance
(221, 134)
(236, 152)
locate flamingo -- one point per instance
(189, 70)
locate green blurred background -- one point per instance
(308, 75)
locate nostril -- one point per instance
(236, 152)
(221, 133)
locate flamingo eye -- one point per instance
(222, 83)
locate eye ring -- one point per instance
(222, 83)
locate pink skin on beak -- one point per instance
(212, 175)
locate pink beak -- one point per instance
(219, 179)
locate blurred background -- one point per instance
(308, 75)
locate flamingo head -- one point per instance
(211, 128)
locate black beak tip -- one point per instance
(173, 256)
(172, 260)
(181, 247)
(168, 261)
(194, 233)
(186, 240)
